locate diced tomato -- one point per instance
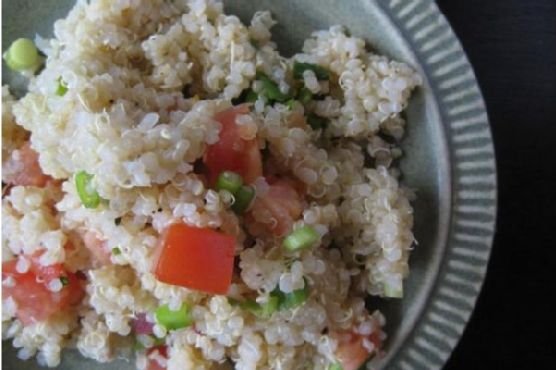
(45, 273)
(98, 247)
(35, 302)
(351, 353)
(282, 203)
(27, 171)
(152, 354)
(231, 152)
(195, 258)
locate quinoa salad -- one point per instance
(177, 193)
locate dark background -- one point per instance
(512, 46)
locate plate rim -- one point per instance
(472, 184)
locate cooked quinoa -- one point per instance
(147, 87)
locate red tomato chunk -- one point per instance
(195, 258)
(277, 210)
(35, 302)
(152, 354)
(351, 352)
(231, 152)
(24, 163)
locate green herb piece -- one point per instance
(22, 55)
(173, 320)
(61, 88)
(298, 69)
(243, 199)
(301, 238)
(270, 89)
(305, 96)
(229, 181)
(86, 190)
(246, 96)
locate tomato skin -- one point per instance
(351, 353)
(231, 152)
(282, 201)
(30, 173)
(45, 273)
(196, 258)
(153, 364)
(35, 302)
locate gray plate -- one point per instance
(449, 160)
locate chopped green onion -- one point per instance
(243, 198)
(251, 96)
(86, 191)
(290, 103)
(173, 320)
(298, 69)
(270, 89)
(270, 306)
(229, 181)
(392, 291)
(250, 305)
(316, 122)
(62, 88)
(295, 298)
(301, 238)
(335, 366)
(116, 251)
(305, 95)
(246, 96)
(64, 280)
(22, 55)
(262, 310)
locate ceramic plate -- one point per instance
(449, 161)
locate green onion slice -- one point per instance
(290, 104)
(86, 191)
(305, 95)
(246, 96)
(301, 238)
(335, 366)
(243, 199)
(173, 320)
(229, 181)
(22, 55)
(64, 280)
(298, 69)
(270, 89)
(61, 88)
(391, 291)
(264, 310)
(295, 298)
